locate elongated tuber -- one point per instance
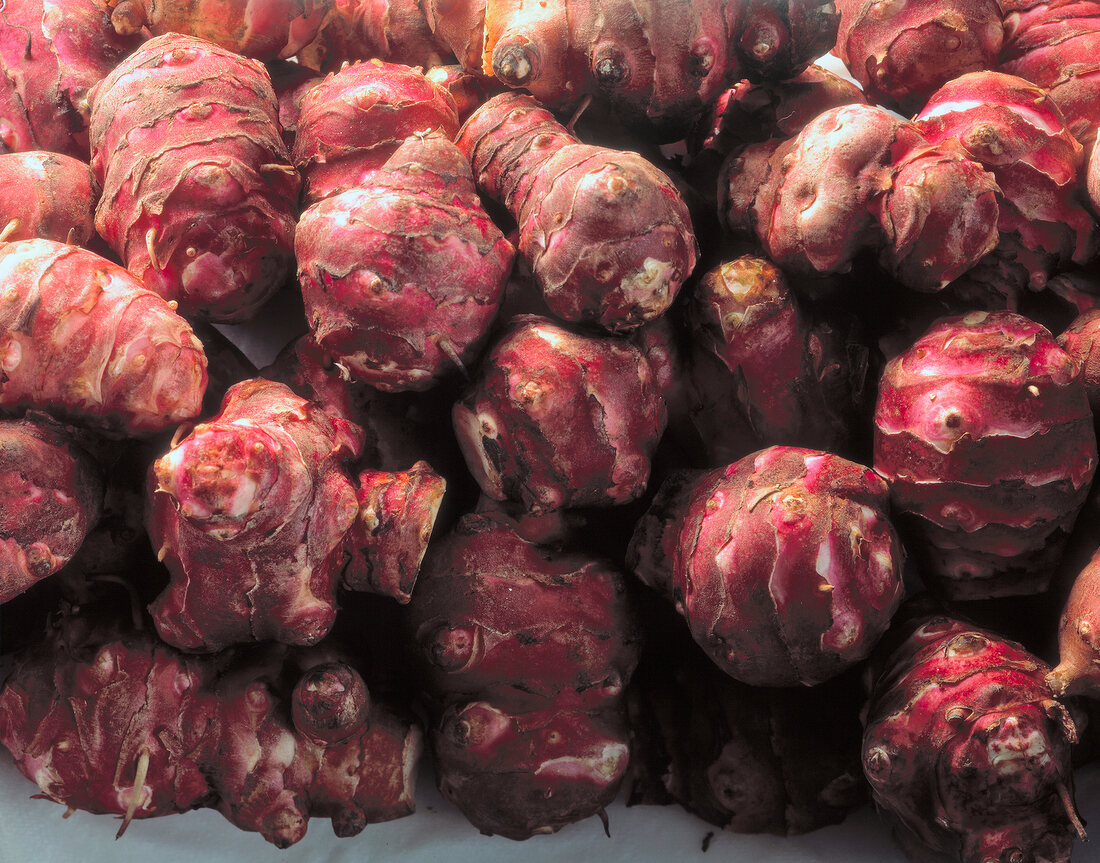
(607, 235)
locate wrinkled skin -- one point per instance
(1015, 130)
(391, 30)
(263, 29)
(606, 233)
(403, 276)
(355, 119)
(784, 564)
(199, 196)
(903, 52)
(269, 460)
(526, 649)
(51, 495)
(52, 52)
(657, 65)
(558, 418)
(984, 434)
(110, 720)
(81, 338)
(965, 748)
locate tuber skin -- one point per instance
(388, 539)
(901, 53)
(1015, 130)
(858, 178)
(199, 195)
(657, 67)
(606, 234)
(1078, 669)
(51, 495)
(109, 719)
(263, 29)
(403, 276)
(82, 339)
(48, 196)
(392, 30)
(965, 749)
(51, 55)
(291, 82)
(233, 499)
(1079, 340)
(784, 564)
(1054, 45)
(984, 434)
(559, 418)
(355, 119)
(526, 649)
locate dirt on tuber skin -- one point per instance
(199, 195)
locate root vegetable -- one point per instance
(391, 30)
(198, 190)
(558, 418)
(49, 196)
(901, 53)
(403, 276)
(263, 29)
(248, 512)
(606, 233)
(354, 120)
(51, 494)
(51, 55)
(984, 433)
(784, 564)
(1078, 669)
(966, 750)
(82, 339)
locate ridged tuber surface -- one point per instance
(658, 66)
(249, 512)
(902, 52)
(291, 81)
(606, 233)
(51, 54)
(784, 564)
(403, 276)
(51, 494)
(1079, 340)
(1078, 669)
(560, 418)
(858, 178)
(47, 195)
(521, 624)
(82, 339)
(747, 759)
(526, 649)
(199, 195)
(391, 30)
(984, 433)
(1055, 44)
(397, 512)
(1015, 130)
(965, 748)
(353, 121)
(263, 29)
(111, 720)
